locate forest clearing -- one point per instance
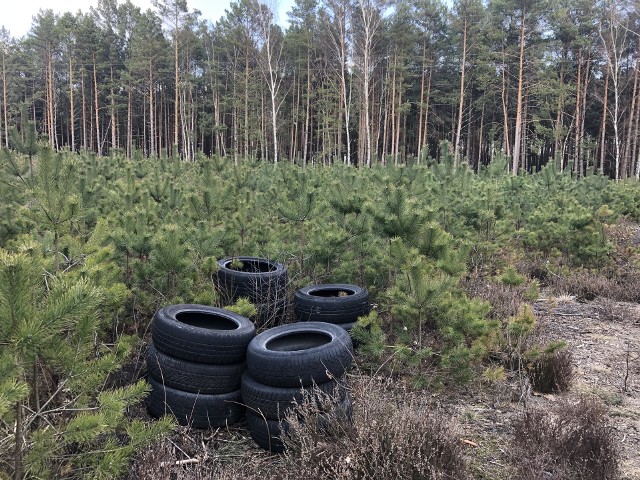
(490, 294)
(467, 171)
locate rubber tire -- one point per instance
(263, 281)
(300, 354)
(348, 327)
(318, 303)
(223, 343)
(193, 377)
(274, 402)
(193, 409)
(266, 432)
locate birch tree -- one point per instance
(614, 36)
(369, 21)
(270, 41)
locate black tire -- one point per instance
(267, 432)
(202, 334)
(260, 280)
(300, 354)
(193, 377)
(274, 402)
(331, 303)
(348, 327)
(194, 409)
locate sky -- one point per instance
(16, 16)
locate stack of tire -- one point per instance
(337, 303)
(260, 280)
(195, 364)
(287, 364)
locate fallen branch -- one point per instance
(180, 462)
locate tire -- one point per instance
(193, 409)
(348, 327)
(300, 354)
(331, 303)
(260, 280)
(267, 432)
(193, 377)
(202, 334)
(274, 402)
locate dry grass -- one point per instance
(571, 442)
(623, 286)
(505, 300)
(203, 455)
(392, 436)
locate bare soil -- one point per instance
(604, 338)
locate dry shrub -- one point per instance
(552, 372)
(200, 455)
(505, 300)
(572, 441)
(391, 436)
(613, 311)
(621, 285)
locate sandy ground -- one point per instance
(604, 338)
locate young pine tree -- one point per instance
(52, 368)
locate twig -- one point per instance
(179, 462)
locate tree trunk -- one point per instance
(50, 114)
(17, 455)
(85, 140)
(604, 121)
(246, 104)
(557, 151)
(176, 97)
(114, 122)
(130, 121)
(421, 112)
(518, 134)
(576, 146)
(629, 143)
(583, 110)
(480, 133)
(4, 101)
(97, 107)
(295, 113)
(392, 119)
(152, 126)
(505, 111)
(398, 121)
(72, 120)
(456, 149)
(425, 136)
(307, 114)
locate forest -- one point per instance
(354, 82)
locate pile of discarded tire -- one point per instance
(260, 280)
(283, 365)
(336, 303)
(195, 364)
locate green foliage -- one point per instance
(563, 227)
(512, 278)
(243, 307)
(51, 327)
